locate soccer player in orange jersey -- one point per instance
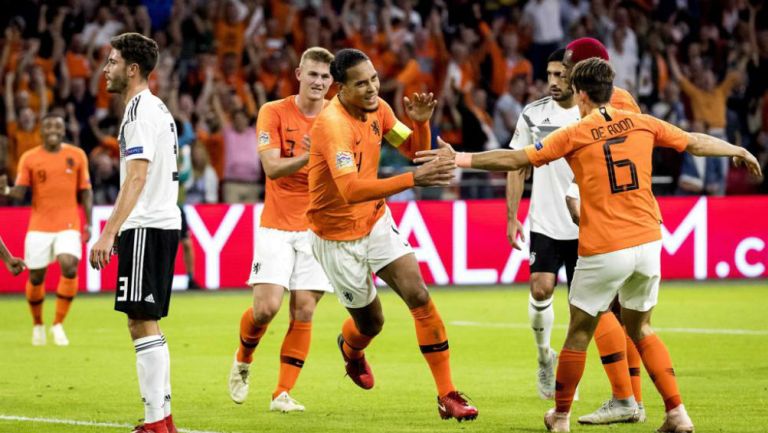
(57, 173)
(353, 232)
(551, 231)
(283, 253)
(610, 153)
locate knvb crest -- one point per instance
(255, 268)
(375, 128)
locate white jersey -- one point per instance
(548, 213)
(149, 132)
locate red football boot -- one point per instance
(454, 405)
(169, 424)
(357, 369)
(153, 427)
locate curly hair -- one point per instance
(345, 59)
(138, 49)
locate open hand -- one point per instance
(420, 106)
(438, 172)
(444, 151)
(750, 162)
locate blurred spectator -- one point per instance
(542, 18)
(508, 108)
(203, 185)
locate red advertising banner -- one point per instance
(456, 242)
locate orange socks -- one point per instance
(354, 341)
(570, 368)
(611, 342)
(292, 355)
(659, 366)
(65, 293)
(35, 298)
(635, 362)
(250, 334)
(433, 342)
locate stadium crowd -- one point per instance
(702, 65)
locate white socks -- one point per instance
(167, 388)
(542, 316)
(152, 368)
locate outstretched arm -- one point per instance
(707, 145)
(492, 160)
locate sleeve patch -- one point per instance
(134, 151)
(398, 134)
(263, 138)
(344, 160)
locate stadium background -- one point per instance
(221, 60)
(484, 61)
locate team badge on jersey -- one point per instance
(263, 138)
(532, 259)
(375, 127)
(344, 160)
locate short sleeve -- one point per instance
(395, 131)
(83, 178)
(522, 136)
(22, 172)
(668, 135)
(268, 128)
(140, 137)
(335, 145)
(554, 146)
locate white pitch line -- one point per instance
(676, 330)
(81, 423)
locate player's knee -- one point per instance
(264, 312)
(372, 326)
(303, 313)
(415, 294)
(541, 290)
(36, 276)
(638, 331)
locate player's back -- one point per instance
(281, 125)
(55, 179)
(341, 145)
(149, 132)
(611, 158)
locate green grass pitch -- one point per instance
(722, 370)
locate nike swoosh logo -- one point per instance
(441, 407)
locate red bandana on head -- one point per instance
(586, 48)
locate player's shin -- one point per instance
(250, 335)
(151, 370)
(293, 353)
(433, 342)
(570, 368)
(541, 315)
(65, 293)
(658, 363)
(611, 343)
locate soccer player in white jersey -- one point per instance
(554, 242)
(554, 238)
(146, 219)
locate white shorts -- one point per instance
(634, 273)
(285, 258)
(349, 264)
(42, 248)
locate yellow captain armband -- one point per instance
(398, 134)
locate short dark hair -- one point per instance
(595, 77)
(557, 56)
(139, 49)
(345, 59)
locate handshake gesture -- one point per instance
(436, 167)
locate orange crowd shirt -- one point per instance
(55, 179)
(20, 141)
(610, 152)
(343, 146)
(281, 125)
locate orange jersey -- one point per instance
(610, 152)
(342, 145)
(55, 179)
(623, 100)
(281, 125)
